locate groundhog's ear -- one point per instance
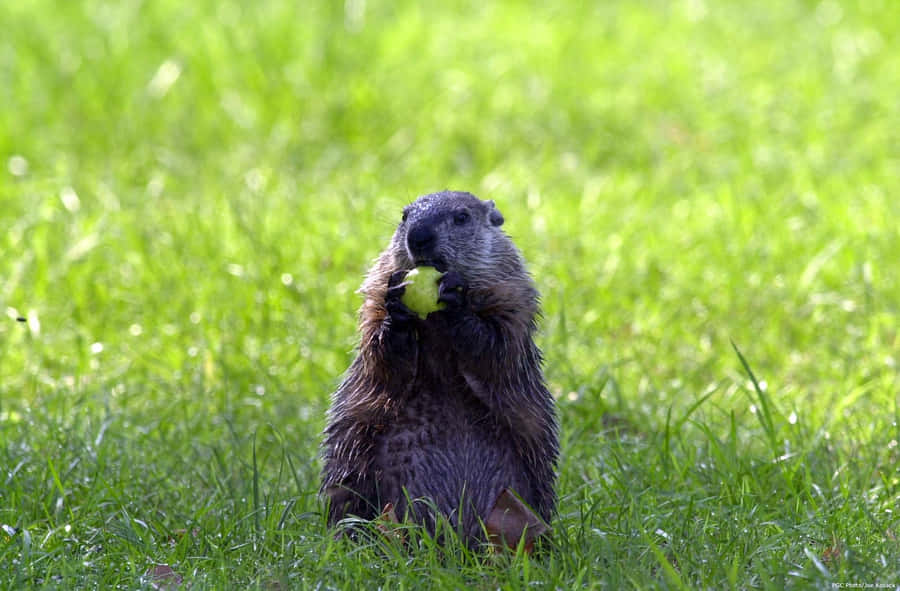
(494, 215)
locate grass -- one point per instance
(706, 193)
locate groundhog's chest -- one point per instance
(444, 443)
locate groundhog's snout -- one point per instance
(421, 241)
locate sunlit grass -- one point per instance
(191, 193)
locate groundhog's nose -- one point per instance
(421, 240)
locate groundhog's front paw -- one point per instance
(452, 290)
(398, 314)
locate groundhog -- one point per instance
(447, 413)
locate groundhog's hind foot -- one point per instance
(510, 520)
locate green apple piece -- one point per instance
(421, 292)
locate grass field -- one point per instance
(190, 193)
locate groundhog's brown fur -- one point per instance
(451, 409)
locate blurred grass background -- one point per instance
(191, 193)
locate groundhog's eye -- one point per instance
(460, 217)
(405, 215)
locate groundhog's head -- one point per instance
(454, 231)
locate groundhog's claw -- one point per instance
(398, 313)
(395, 281)
(452, 290)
